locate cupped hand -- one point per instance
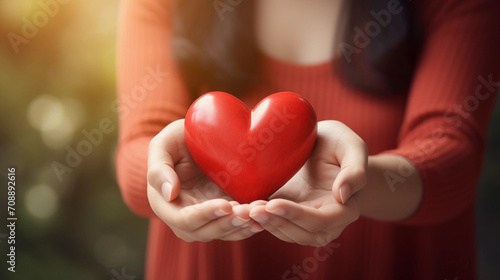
(320, 201)
(185, 199)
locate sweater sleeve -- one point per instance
(151, 93)
(450, 103)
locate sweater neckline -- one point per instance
(276, 65)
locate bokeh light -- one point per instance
(42, 201)
(55, 119)
(45, 112)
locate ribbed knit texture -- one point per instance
(461, 43)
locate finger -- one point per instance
(260, 215)
(309, 218)
(234, 203)
(289, 231)
(219, 227)
(328, 216)
(242, 233)
(279, 227)
(249, 228)
(294, 232)
(164, 151)
(351, 178)
(351, 153)
(164, 179)
(187, 218)
(257, 203)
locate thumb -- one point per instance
(164, 179)
(348, 182)
(352, 155)
(163, 154)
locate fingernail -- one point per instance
(220, 213)
(238, 221)
(234, 203)
(166, 189)
(261, 218)
(277, 211)
(345, 193)
(245, 225)
(256, 229)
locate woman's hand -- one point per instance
(305, 211)
(185, 199)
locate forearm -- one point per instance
(131, 169)
(394, 188)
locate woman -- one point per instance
(416, 82)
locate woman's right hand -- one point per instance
(185, 199)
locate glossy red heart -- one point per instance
(248, 153)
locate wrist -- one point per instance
(394, 188)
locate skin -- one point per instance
(313, 208)
(339, 183)
(185, 199)
(305, 211)
(307, 41)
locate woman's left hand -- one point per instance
(320, 201)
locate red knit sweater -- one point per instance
(440, 126)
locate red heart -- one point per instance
(250, 154)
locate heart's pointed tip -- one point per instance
(249, 200)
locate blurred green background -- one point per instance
(60, 80)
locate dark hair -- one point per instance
(218, 51)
